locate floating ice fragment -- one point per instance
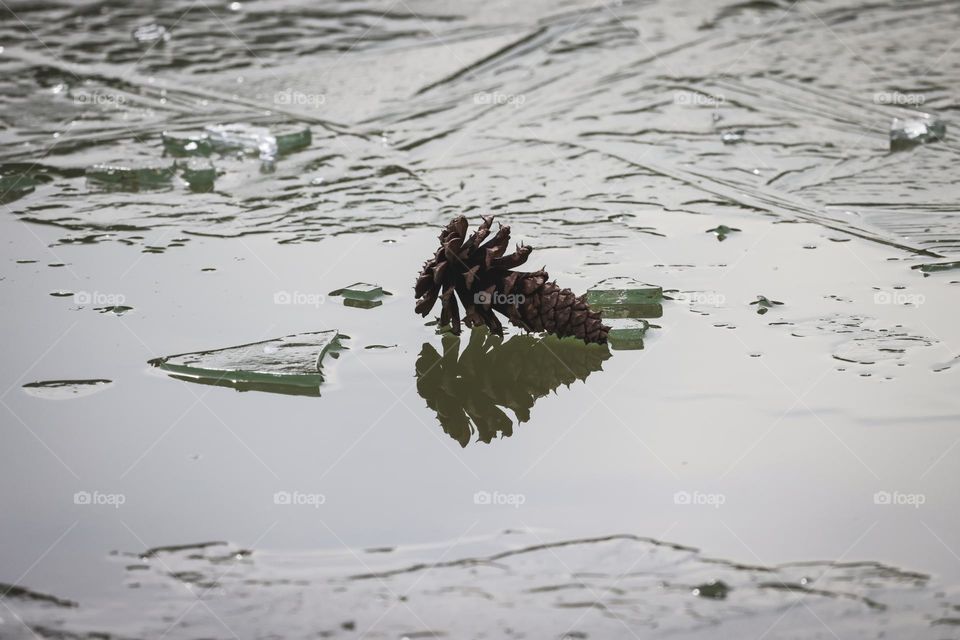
(117, 309)
(131, 177)
(242, 137)
(934, 267)
(362, 295)
(199, 173)
(181, 144)
(624, 297)
(267, 143)
(360, 291)
(722, 231)
(732, 136)
(63, 389)
(764, 304)
(623, 290)
(291, 138)
(715, 589)
(909, 132)
(150, 34)
(290, 364)
(15, 186)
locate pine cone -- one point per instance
(482, 277)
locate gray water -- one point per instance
(779, 475)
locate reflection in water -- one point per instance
(467, 390)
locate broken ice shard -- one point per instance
(362, 295)
(733, 136)
(199, 173)
(181, 144)
(908, 132)
(151, 34)
(64, 389)
(934, 267)
(764, 304)
(291, 138)
(722, 231)
(266, 143)
(117, 309)
(624, 297)
(131, 176)
(242, 137)
(290, 364)
(715, 590)
(16, 185)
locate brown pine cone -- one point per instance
(482, 277)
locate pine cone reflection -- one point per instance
(469, 391)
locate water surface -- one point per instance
(785, 474)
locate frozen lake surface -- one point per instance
(180, 177)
